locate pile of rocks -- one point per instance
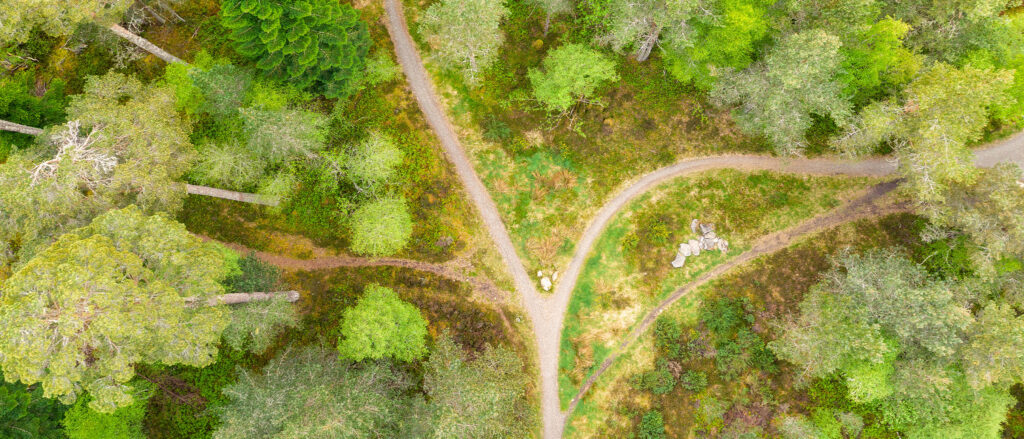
(545, 281)
(708, 241)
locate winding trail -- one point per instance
(865, 206)
(547, 313)
(324, 261)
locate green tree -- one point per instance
(139, 126)
(373, 162)
(134, 275)
(641, 24)
(482, 398)
(255, 325)
(82, 422)
(382, 325)
(464, 34)
(26, 414)
(910, 345)
(276, 135)
(381, 227)
(876, 62)
(778, 96)
(311, 394)
(571, 73)
(988, 212)
(724, 39)
(316, 44)
(57, 18)
(19, 105)
(553, 8)
(941, 110)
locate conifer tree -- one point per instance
(316, 44)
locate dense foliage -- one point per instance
(465, 33)
(133, 273)
(316, 44)
(572, 73)
(310, 393)
(937, 357)
(381, 325)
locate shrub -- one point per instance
(381, 228)
(652, 426)
(382, 325)
(82, 422)
(18, 105)
(694, 381)
(316, 44)
(659, 381)
(25, 413)
(571, 73)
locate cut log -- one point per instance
(239, 298)
(230, 195)
(19, 128)
(144, 44)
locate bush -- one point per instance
(572, 73)
(659, 381)
(253, 275)
(652, 426)
(18, 105)
(25, 413)
(495, 130)
(382, 325)
(723, 315)
(667, 332)
(381, 228)
(82, 422)
(694, 381)
(317, 44)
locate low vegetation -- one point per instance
(630, 272)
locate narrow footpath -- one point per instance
(547, 312)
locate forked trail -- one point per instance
(547, 312)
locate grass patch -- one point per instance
(628, 272)
(771, 288)
(549, 175)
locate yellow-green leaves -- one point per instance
(82, 312)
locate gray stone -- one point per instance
(694, 224)
(706, 227)
(679, 260)
(694, 247)
(684, 249)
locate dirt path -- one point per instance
(547, 313)
(865, 206)
(324, 261)
(540, 313)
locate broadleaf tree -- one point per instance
(642, 24)
(937, 357)
(571, 73)
(381, 227)
(312, 394)
(464, 34)
(479, 398)
(81, 313)
(382, 325)
(777, 97)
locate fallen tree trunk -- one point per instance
(190, 188)
(239, 298)
(244, 197)
(144, 44)
(19, 128)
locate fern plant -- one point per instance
(319, 45)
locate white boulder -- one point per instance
(545, 283)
